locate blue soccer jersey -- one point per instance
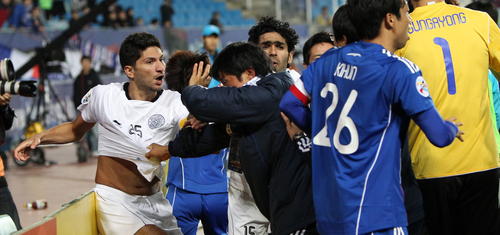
(361, 98)
(202, 175)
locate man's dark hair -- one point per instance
(487, 7)
(237, 57)
(367, 15)
(321, 37)
(342, 26)
(86, 57)
(269, 24)
(133, 46)
(180, 68)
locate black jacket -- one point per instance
(279, 178)
(83, 84)
(6, 120)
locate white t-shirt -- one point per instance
(294, 74)
(127, 127)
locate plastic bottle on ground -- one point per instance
(37, 204)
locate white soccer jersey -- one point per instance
(294, 74)
(127, 127)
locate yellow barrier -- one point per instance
(76, 217)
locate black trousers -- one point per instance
(416, 228)
(464, 204)
(308, 230)
(7, 205)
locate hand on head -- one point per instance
(199, 77)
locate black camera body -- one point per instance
(8, 82)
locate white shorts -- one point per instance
(243, 214)
(121, 213)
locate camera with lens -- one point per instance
(8, 83)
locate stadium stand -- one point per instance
(188, 13)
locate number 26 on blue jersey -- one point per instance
(322, 139)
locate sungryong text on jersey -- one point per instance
(437, 22)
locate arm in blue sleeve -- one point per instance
(440, 133)
(295, 110)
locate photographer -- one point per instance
(8, 85)
(7, 205)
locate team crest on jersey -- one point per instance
(156, 121)
(422, 88)
(86, 98)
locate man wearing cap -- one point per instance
(210, 39)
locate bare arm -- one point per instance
(60, 134)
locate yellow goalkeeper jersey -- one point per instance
(454, 46)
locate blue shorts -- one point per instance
(190, 208)
(391, 231)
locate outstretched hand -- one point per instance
(22, 151)
(199, 77)
(458, 124)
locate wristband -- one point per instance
(299, 135)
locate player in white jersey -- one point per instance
(131, 116)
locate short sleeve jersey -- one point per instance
(361, 95)
(454, 47)
(127, 127)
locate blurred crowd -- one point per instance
(41, 15)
